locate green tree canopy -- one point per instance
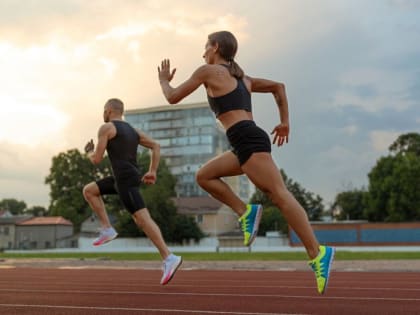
(394, 182)
(352, 204)
(16, 207)
(186, 229)
(37, 211)
(406, 143)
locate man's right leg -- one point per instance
(171, 262)
(145, 222)
(92, 194)
(93, 197)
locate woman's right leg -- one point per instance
(262, 171)
(209, 178)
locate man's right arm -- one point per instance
(96, 155)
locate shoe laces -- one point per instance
(244, 224)
(165, 265)
(318, 268)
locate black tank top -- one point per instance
(122, 151)
(239, 98)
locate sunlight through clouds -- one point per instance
(348, 66)
(32, 124)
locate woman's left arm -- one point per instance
(281, 131)
(176, 94)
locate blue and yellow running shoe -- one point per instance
(250, 221)
(321, 265)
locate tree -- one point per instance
(37, 211)
(406, 143)
(16, 207)
(310, 202)
(272, 220)
(186, 229)
(394, 182)
(352, 203)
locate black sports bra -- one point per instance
(239, 98)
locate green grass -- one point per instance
(340, 255)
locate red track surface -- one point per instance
(31, 291)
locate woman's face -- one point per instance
(209, 52)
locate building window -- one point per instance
(6, 230)
(199, 218)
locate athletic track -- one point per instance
(78, 290)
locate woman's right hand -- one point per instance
(164, 71)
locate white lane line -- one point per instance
(59, 286)
(131, 309)
(280, 296)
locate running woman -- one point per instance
(229, 96)
(121, 140)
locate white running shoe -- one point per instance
(105, 236)
(170, 266)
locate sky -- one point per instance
(351, 70)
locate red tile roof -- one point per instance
(46, 221)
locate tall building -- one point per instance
(189, 135)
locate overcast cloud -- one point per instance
(351, 69)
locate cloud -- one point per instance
(32, 124)
(351, 74)
(382, 139)
(23, 170)
(406, 4)
(374, 90)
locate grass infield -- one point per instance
(238, 256)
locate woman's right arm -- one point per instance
(176, 94)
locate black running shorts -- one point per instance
(246, 138)
(129, 194)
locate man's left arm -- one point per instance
(96, 155)
(148, 142)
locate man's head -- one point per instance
(113, 109)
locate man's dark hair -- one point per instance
(116, 105)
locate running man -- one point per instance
(229, 95)
(121, 140)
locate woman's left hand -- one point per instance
(281, 134)
(164, 71)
